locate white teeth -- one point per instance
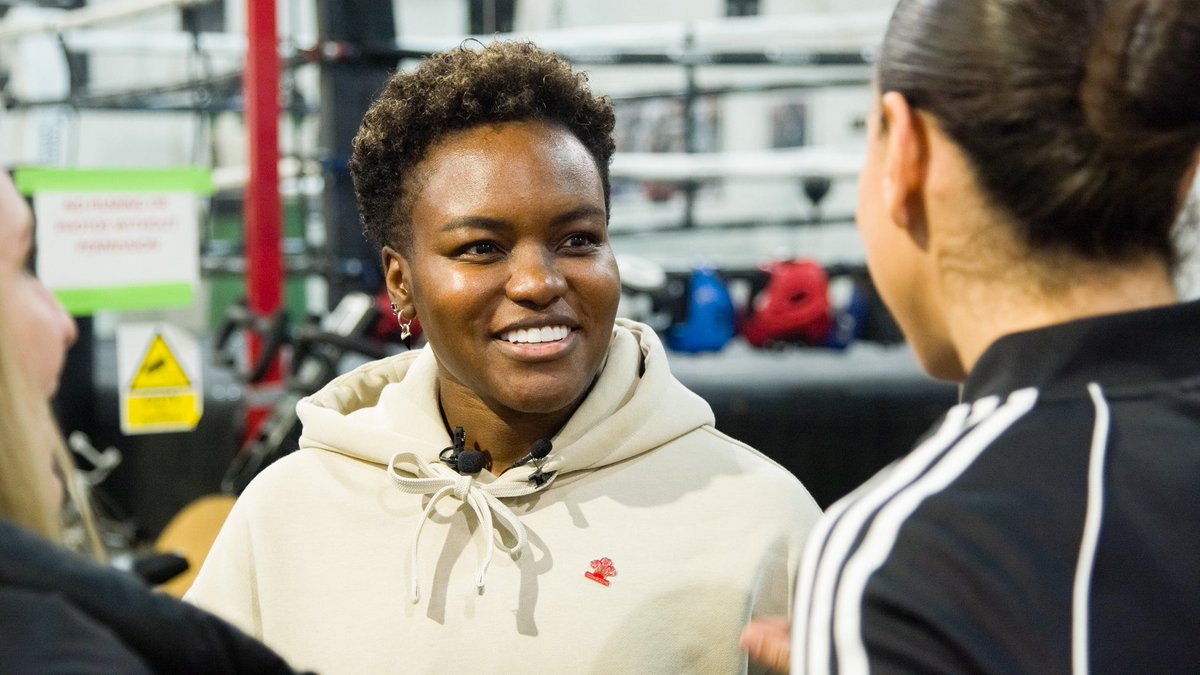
(536, 335)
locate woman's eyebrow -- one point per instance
(501, 225)
(475, 223)
(587, 211)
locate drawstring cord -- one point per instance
(483, 500)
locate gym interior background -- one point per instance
(740, 129)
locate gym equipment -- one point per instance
(710, 322)
(317, 354)
(117, 532)
(850, 305)
(189, 535)
(649, 294)
(794, 307)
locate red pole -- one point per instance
(263, 207)
(264, 211)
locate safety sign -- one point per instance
(118, 239)
(160, 379)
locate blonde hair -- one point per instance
(28, 432)
(25, 429)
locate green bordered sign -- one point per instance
(118, 239)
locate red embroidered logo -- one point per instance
(601, 570)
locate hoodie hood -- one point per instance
(391, 406)
(386, 413)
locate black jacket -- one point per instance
(1049, 524)
(60, 613)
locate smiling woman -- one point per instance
(636, 537)
(512, 276)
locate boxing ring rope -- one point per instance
(90, 15)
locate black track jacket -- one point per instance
(1048, 524)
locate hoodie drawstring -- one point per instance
(483, 500)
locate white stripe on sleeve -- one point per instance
(815, 594)
(1091, 534)
(881, 536)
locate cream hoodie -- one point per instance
(654, 543)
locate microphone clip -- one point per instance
(461, 460)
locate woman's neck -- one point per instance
(506, 436)
(982, 312)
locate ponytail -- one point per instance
(1080, 118)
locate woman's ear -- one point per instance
(397, 275)
(907, 147)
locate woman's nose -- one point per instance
(63, 320)
(535, 278)
(70, 328)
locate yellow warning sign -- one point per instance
(150, 412)
(160, 369)
(160, 397)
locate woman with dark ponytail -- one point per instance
(1028, 165)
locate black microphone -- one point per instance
(449, 455)
(460, 459)
(540, 448)
(471, 462)
(538, 451)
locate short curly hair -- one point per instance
(460, 89)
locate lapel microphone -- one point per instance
(471, 462)
(457, 457)
(541, 447)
